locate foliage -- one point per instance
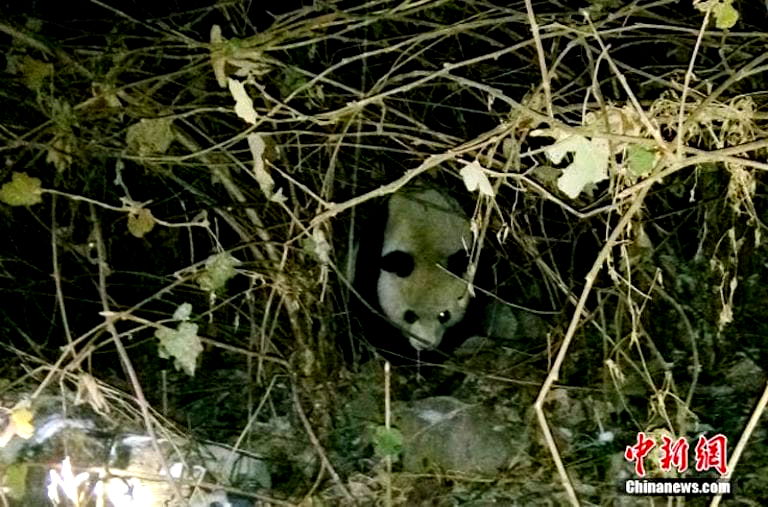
(22, 190)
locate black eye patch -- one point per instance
(458, 262)
(398, 263)
(410, 317)
(444, 317)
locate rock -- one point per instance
(499, 321)
(446, 434)
(505, 323)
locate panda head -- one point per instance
(422, 297)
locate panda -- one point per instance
(422, 287)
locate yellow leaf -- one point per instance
(140, 222)
(23, 190)
(21, 418)
(725, 15)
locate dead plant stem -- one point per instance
(554, 372)
(745, 436)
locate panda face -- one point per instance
(423, 300)
(423, 259)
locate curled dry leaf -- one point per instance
(475, 178)
(243, 102)
(140, 222)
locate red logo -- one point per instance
(710, 453)
(639, 451)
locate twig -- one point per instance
(316, 442)
(387, 425)
(696, 366)
(686, 84)
(123, 354)
(673, 167)
(545, 82)
(554, 372)
(751, 425)
(387, 189)
(57, 279)
(650, 127)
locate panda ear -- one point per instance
(398, 263)
(458, 262)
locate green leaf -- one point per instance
(183, 312)
(640, 160)
(150, 136)
(725, 15)
(219, 269)
(181, 344)
(22, 190)
(15, 480)
(35, 72)
(387, 442)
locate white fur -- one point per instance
(430, 227)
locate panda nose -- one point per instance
(423, 337)
(419, 344)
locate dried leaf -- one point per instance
(218, 58)
(88, 392)
(60, 151)
(183, 312)
(150, 136)
(243, 103)
(475, 178)
(263, 178)
(590, 160)
(318, 246)
(140, 222)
